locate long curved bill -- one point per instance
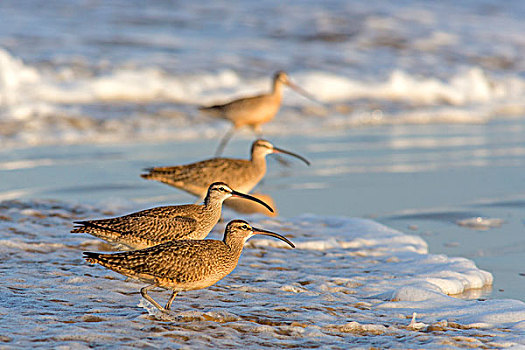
(303, 92)
(280, 150)
(258, 231)
(247, 196)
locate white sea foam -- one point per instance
(347, 278)
(43, 107)
(15, 77)
(470, 86)
(36, 247)
(21, 83)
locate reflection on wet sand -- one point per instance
(247, 207)
(475, 293)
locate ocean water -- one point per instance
(409, 222)
(349, 281)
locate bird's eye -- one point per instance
(244, 227)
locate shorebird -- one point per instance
(150, 227)
(242, 174)
(183, 265)
(253, 111)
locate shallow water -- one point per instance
(420, 128)
(329, 291)
(343, 271)
(408, 177)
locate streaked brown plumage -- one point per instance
(150, 227)
(183, 265)
(242, 174)
(252, 111)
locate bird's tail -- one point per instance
(162, 173)
(91, 257)
(213, 111)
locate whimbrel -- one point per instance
(161, 224)
(253, 111)
(183, 265)
(242, 174)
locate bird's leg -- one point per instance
(257, 131)
(224, 141)
(144, 293)
(168, 304)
